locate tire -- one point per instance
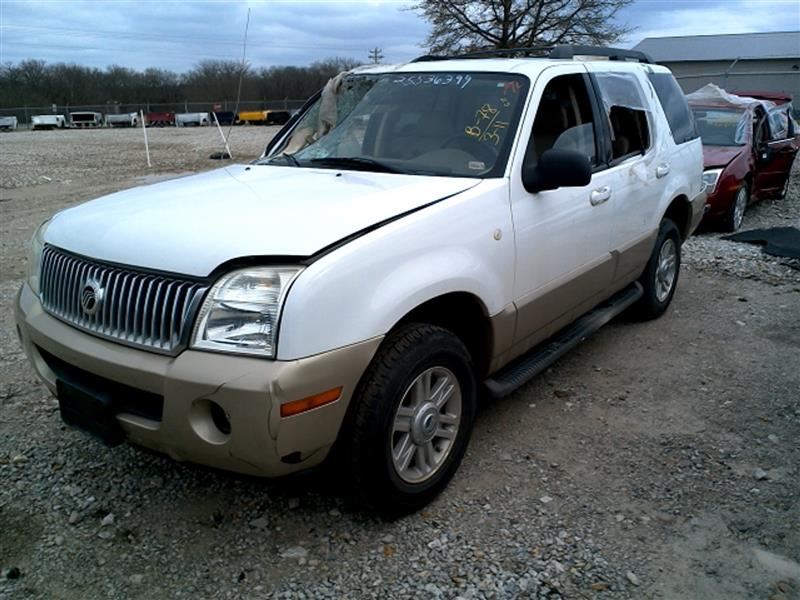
(735, 215)
(401, 453)
(660, 277)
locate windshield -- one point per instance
(721, 127)
(452, 124)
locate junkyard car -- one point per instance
(415, 234)
(48, 122)
(749, 145)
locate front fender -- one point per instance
(364, 288)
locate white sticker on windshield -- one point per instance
(476, 165)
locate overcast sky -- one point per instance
(176, 35)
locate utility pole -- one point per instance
(375, 56)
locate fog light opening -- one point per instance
(220, 418)
(210, 421)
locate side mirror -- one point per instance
(555, 169)
(765, 153)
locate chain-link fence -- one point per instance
(24, 113)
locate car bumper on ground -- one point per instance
(172, 404)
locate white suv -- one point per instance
(414, 235)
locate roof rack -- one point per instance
(567, 52)
(610, 53)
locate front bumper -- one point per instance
(249, 390)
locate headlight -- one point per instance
(242, 310)
(710, 179)
(35, 256)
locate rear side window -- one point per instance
(627, 109)
(673, 101)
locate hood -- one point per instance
(193, 224)
(720, 156)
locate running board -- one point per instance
(523, 369)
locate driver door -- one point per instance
(563, 236)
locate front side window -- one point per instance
(626, 108)
(563, 120)
(452, 124)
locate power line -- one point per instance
(171, 39)
(128, 50)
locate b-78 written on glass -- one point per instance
(487, 126)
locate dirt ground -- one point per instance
(658, 460)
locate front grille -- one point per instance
(147, 310)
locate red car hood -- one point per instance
(719, 156)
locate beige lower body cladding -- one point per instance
(249, 390)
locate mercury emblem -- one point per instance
(91, 297)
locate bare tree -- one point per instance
(476, 24)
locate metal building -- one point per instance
(738, 61)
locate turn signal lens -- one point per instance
(297, 406)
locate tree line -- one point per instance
(37, 83)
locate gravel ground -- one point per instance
(708, 252)
(658, 460)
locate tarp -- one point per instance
(778, 114)
(777, 241)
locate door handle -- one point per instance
(662, 170)
(600, 195)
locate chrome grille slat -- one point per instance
(153, 312)
(64, 287)
(63, 267)
(162, 334)
(108, 309)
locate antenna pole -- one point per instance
(241, 77)
(222, 135)
(144, 131)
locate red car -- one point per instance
(748, 150)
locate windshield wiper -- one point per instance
(359, 162)
(289, 159)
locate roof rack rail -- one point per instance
(610, 53)
(537, 51)
(546, 52)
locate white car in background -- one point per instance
(8, 123)
(195, 118)
(122, 120)
(414, 235)
(48, 122)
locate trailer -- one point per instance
(8, 123)
(123, 120)
(159, 119)
(86, 119)
(197, 118)
(48, 122)
(225, 117)
(264, 117)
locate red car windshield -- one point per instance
(721, 127)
